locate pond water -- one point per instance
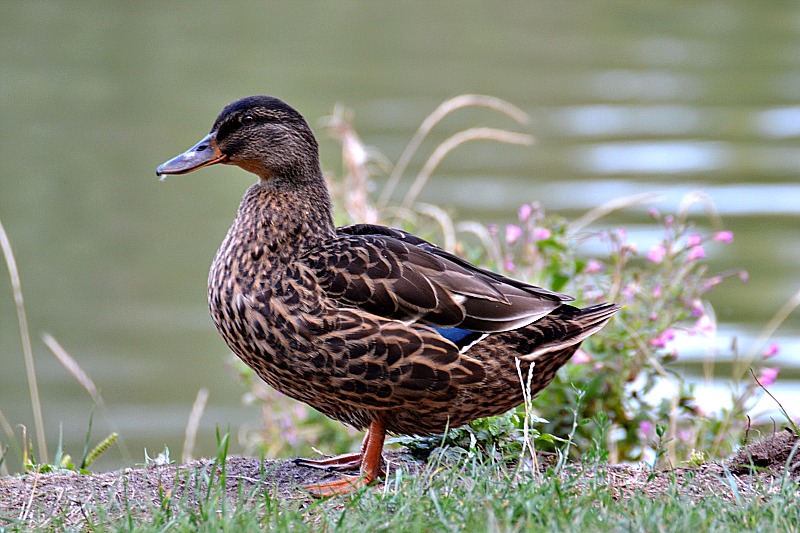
(624, 97)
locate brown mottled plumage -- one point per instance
(370, 325)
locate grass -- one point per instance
(27, 350)
(476, 500)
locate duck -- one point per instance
(370, 325)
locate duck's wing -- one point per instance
(393, 274)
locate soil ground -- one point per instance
(36, 498)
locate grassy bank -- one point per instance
(469, 493)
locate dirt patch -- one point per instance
(778, 453)
(36, 498)
(751, 471)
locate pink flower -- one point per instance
(703, 325)
(723, 236)
(509, 265)
(771, 351)
(541, 234)
(645, 426)
(696, 252)
(513, 232)
(653, 212)
(657, 291)
(744, 275)
(713, 281)
(581, 358)
(525, 211)
(662, 340)
(657, 253)
(630, 291)
(594, 266)
(694, 240)
(697, 308)
(768, 376)
(492, 229)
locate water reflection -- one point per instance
(774, 199)
(778, 123)
(654, 157)
(606, 120)
(645, 85)
(714, 396)
(717, 345)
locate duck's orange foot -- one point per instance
(337, 487)
(368, 461)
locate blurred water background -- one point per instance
(625, 97)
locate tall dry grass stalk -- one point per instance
(72, 366)
(9, 431)
(358, 161)
(609, 207)
(444, 109)
(27, 349)
(453, 142)
(445, 224)
(775, 322)
(193, 425)
(83, 379)
(527, 440)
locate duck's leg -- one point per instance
(347, 462)
(369, 461)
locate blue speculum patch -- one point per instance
(459, 336)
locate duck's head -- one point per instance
(261, 134)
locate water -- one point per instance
(624, 98)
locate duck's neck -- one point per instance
(275, 225)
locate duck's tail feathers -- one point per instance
(570, 326)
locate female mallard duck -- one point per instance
(370, 325)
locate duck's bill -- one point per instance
(202, 154)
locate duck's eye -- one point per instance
(248, 120)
